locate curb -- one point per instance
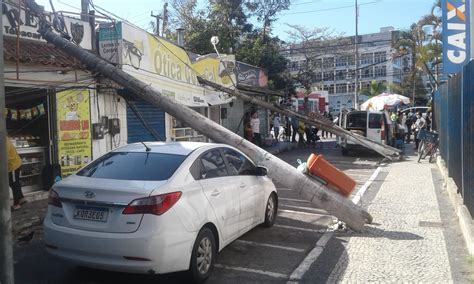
(283, 149)
(465, 218)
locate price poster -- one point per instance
(74, 136)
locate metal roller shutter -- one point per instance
(154, 117)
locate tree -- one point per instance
(266, 11)
(375, 88)
(312, 45)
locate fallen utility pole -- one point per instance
(319, 122)
(335, 204)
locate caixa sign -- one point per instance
(456, 35)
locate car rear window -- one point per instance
(133, 166)
(357, 120)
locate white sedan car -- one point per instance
(158, 207)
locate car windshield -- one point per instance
(133, 166)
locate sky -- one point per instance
(337, 15)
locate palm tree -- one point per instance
(375, 88)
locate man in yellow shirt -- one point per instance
(14, 164)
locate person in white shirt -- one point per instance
(276, 126)
(255, 124)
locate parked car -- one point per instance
(157, 207)
(371, 124)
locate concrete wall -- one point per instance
(112, 106)
(234, 117)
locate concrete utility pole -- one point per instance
(165, 19)
(356, 43)
(312, 190)
(6, 249)
(85, 10)
(157, 24)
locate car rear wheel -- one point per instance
(203, 256)
(271, 210)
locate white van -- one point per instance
(373, 124)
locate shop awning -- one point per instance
(32, 52)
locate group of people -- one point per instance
(407, 124)
(292, 128)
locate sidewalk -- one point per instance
(415, 235)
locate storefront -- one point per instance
(167, 68)
(37, 75)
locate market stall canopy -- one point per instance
(384, 101)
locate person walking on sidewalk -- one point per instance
(255, 124)
(14, 164)
(294, 127)
(419, 124)
(276, 126)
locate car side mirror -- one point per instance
(261, 171)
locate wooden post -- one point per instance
(344, 209)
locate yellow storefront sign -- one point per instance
(73, 124)
(220, 71)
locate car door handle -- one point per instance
(242, 185)
(215, 192)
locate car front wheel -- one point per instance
(203, 256)
(271, 210)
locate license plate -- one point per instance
(91, 213)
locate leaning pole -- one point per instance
(324, 124)
(344, 209)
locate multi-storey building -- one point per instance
(334, 67)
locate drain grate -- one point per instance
(430, 224)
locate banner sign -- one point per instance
(456, 35)
(251, 75)
(73, 122)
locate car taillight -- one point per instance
(156, 205)
(54, 199)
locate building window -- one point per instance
(328, 76)
(341, 75)
(319, 63)
(328, 62)
(367, 72)
(342, 61)
(380, 71)
(351, 88)
(380, 56)
(366, 58)
(319, 76)
(341, 88)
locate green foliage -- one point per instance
(229, 21)
(375, 88)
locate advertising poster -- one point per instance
(74, 138)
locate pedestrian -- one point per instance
(417, 126)
(330, 119)
(288, 128)
(294, 127)
(14, 165)
(255, 124)
(301, 132)
(276, 126)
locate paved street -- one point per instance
(414, 237)
(262, 255)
